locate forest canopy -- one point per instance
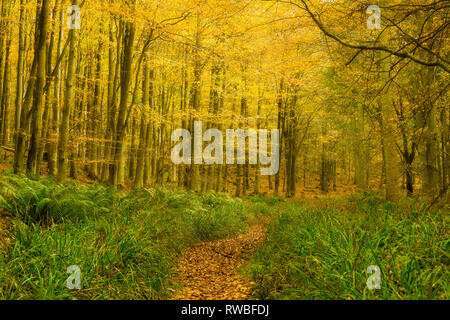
(357, 89)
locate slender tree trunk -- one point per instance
(33, 162)
(6, 95)
(67, 109)
(20, 78)
(141, 153)
(93, 117)
(117, 177)
(279, 127)
(53, 143)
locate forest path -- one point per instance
(210, 270)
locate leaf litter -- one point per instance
(210, 270)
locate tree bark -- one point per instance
(67, 109)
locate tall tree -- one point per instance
(68, 103)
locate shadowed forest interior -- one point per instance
(91, 93)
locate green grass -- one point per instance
(126, 245)
(324, 252)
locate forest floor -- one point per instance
(156, 243)
(210, 270)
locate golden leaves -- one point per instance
(209, 270)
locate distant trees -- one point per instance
(411, 33)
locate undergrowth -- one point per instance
(324, 252)
(126, 245)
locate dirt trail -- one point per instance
(209, 270)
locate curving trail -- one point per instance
(210, 270)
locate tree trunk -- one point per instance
(67, 109)
(117, 177)
(33, 162)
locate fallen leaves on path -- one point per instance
(210, 270)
